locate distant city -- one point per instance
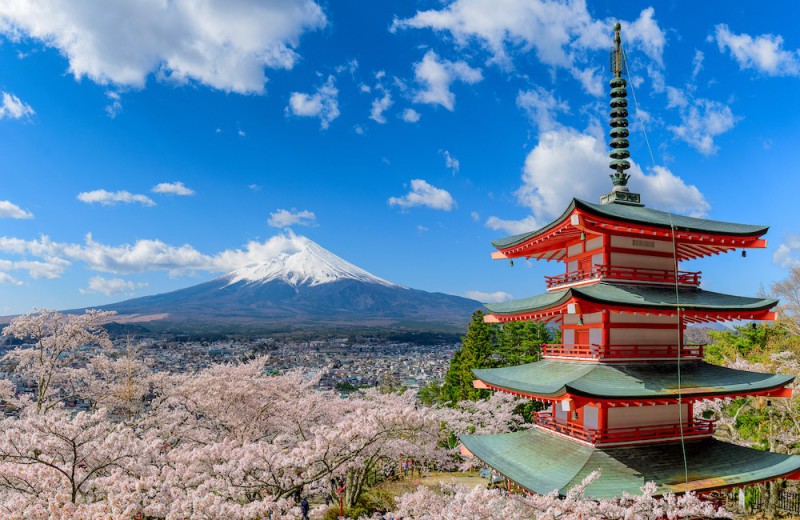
(346, 364)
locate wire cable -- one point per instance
(675, 273)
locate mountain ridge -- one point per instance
(300, 287)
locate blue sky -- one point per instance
(146, 148)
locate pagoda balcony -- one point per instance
(624, 274)
(607, 437)
(621, 352)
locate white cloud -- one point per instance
(541, 106)
(284, 218)
(254, 187)
(676, 98)
(225, 45)
(702, 120)
(451, 162)
(764, 53)
(10, 210)
(172, 188)
(50, 268)
(567, 163)
(697, 63)
(114, 106)
(475, 216)
(379, 106)
(146, 255)
(111, 198)
(13, 107)
(323, 104)
(410, 115)
(111, 286)
(6, 278)
(513, 227)
(486, 297)
(422, 229)
(436, 75)
(785, 254)
(424, 194)
(557, 31)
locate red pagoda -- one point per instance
(620, 390)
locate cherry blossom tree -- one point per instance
(53, 338)
(456, 501)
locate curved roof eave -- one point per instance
(640, 296)
(640, 215)
(646, 381)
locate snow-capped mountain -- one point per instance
(308, 264)
(298, 284)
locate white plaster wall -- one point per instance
(624, 317)
(643, 261)
(624, 417)
(590, 416)
(595, 336)
(572, 266)
(594, 243)
(643, 336)
(568, 336)
(560, 414)
(643, 244)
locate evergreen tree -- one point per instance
(487, 345)
(476, 348)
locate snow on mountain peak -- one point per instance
(301, 261)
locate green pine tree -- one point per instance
(476, 348)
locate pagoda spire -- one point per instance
(619, 128)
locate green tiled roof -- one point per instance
(689, 298)
(541, 463)
(641, 215)
(633, 381)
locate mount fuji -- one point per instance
(301, 286)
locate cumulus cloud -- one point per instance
(284, 218)
(785, 254)
(221, 44)
(111, 286)
(702, 120)
(323, 104)
(50, 268)
(435, 75)
(13, 108)
(424, 194)
(144, 255)
(569, 163)
(6, 278)
(410, 115)
(541, 106)
(379, 106)
(10, 210)
(558, 32)
(172, 188)
(112, 198)
(764, 53)
(489, 297)
(513, 227)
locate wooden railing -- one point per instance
(634, 434)
(628, 274)
(622, 351)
